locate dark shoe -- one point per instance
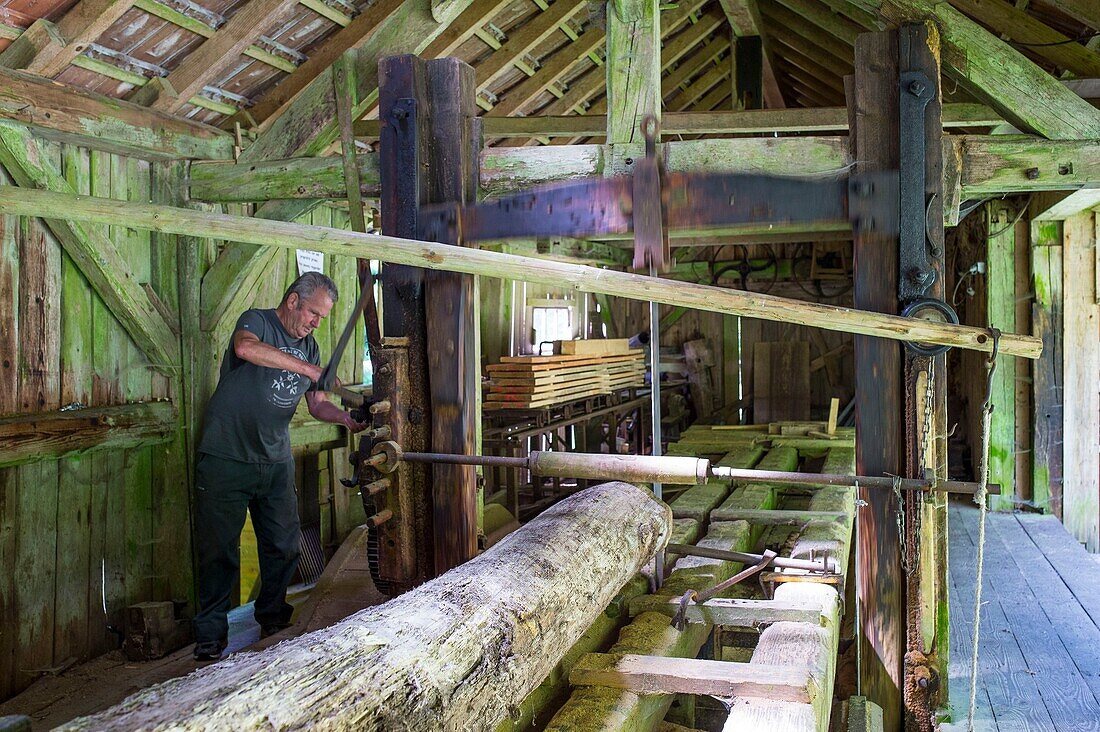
(272, 629)
(208, 651)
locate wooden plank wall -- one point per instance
(84, 537)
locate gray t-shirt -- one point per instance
(248, 417)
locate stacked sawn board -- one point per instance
(530, 382)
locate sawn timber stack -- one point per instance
(526, 382)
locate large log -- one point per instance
(457, 653)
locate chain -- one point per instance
(902, 543)
(929, 417)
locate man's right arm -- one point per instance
(250, 348)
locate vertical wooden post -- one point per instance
(1046, 321)
(748, 72)
(429, 155)
(1081, 367)
(873, 115)
(926, 648)
(633, 67)
(1001, 313)
(451, 316)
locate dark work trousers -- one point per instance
(223, 490)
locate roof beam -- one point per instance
(793, 23)
(819, 16)
(210, 59)
(75, 31)
(529, 35)
(471, 20)
(1017, 26)
(744, 18)
(1085, 11)
(307, 125)
(691, 66)
(994, 72)
(634, 57)
(362, 29)
(551, 70)
(67, 114)
(698, 88)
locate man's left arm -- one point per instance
(322, 409)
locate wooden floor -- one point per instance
(1039, 660)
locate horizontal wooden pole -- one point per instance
(778, 516)
(740, 122)
(28, 438)
(735, 612)
(667, 675)
(66, 114)
(168, 219)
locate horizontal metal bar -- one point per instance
(865, 481)
(746, 558)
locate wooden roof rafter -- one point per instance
(203, 65)
(518, 45)
(47, 48)
(1032, 36)
(782, 19)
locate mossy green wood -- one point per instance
(1046, 313)
(100, 261)
(997, 74)
(1001, 313)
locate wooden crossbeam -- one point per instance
(99, 261)
(994, 72)
(361, 30)
(530, 34)
(988, 165)
(201, 66)
(168, 219)
(669, 675)
(28, 438)
(737, 613)
(744, 19)
(67, 114)
(75, 31)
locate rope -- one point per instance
(980, 499)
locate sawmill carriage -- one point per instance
(692, 345)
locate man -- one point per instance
(245, 459)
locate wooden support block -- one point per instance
(779, 517)
(595, 347)
(864, 715)
(834, 408)
(663, 675)
(732, 612)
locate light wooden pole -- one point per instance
(337, 242)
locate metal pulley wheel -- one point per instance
(933, 310)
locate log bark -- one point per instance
(457, 653)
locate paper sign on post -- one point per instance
(310, 261)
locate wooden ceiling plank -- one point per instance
(362, 29)
(559, 63)
(203, 65)
(997, 74)
(78, 28)
(529, 35)
(1020, 27)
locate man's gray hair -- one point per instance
(309, 283)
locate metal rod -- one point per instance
(866, 481)
(829, 566)
(500, 461)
